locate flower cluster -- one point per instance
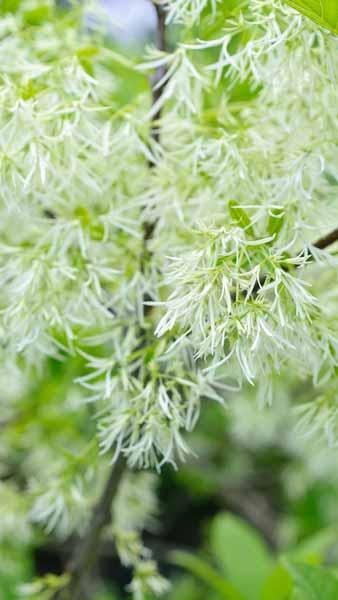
(236, 298)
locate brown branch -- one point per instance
(327, 240)
(86, 552)
(321, 244)
(158, 84)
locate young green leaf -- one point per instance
(322, 12)
(242, 554)
(207, 574)
(240, 216)
(278, 585)
(314, 583)
(276, 222)
(313, 549)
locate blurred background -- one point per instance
(249, 467)
(132, 21)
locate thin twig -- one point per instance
(158, 83)
(321, 244)
(86, 552)
(327, 240)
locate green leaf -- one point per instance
(278, 585)
(322, 12)
(240, 216)
(313, 549)
(186, 588)
(9, 6)
(242, 554)
(276, 221)
(16, 567)
(330, 178)
(86, 56)
(313, 583)
(36, 16)
(203, 571)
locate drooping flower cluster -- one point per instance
(235, 297)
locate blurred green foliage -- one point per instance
(242, 568)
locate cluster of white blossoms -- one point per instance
(67, 232)
(146, 399)
(234, 297)
(257, 188)
(169, 269)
